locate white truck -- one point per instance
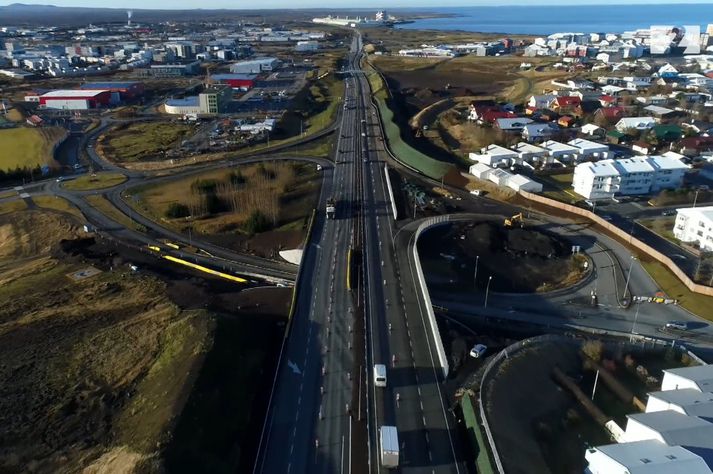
(389, 443)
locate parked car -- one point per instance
(478, 351)
(669, 212)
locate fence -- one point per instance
(434, 221)
(626, 237)
(391, 192)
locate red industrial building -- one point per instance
(126, 90)
(75, 99)
(235, 81)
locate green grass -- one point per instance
(58, 204)
(94, 181)
(12, 206)
(28, 147)
(321, 148)
(143, 140)
(662, 226)
(404, 152)
(674, 288)
(101, 204)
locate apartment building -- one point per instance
(640, 175)
(695, 225)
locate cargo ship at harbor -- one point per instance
(381, 19)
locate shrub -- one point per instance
(176, 210)
(204, 186)
(256, 223)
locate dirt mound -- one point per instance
(536, 244)
(32, 233)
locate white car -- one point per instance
(478, 350)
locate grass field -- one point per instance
(28, 147)
(94, 181)
(105, 207)
(283, 192)
(662, 226)
(137, 141)
(674, 288)
(58, 204)
(12, 206)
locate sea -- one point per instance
(545, 20)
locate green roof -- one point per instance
(663, 130)
(615, 134)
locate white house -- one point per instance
(494, 155)
(541, 101)
(539, 131)
(699, 377)
(499, 177)
(629, 176)
(480, 170)
(587, 149)
(592, 129)
(687, 401)
(643, 457)
(560, 151)
(638, 123)
(519, 182)
(694, 225)
(529, 153)
(515, 124)
(670, 427)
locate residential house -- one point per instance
(610, 114)
(615, 137)
(566, 121)
(687, 401)
(515, 124)
(692, 146)
(612, 90)
(499, 177)
(535, 132)
(659, 112)
(588, 150)
(560, 151)
(666, 132)
(529, 153)
(653, 100)
(642, 147)
(698, 127)
(494, 155)
(697, 377)
(667, 71)
(477, 109)
(592, 130)
(566, 104)
(541, 101)
(492, 116)
(607, 100)
(649, 456)
(695, 225)
(480, 170)
(519, 182)
(636, 123)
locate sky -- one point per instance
(236, 4)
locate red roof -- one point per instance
(568, 101)
(493, 115)
(698, 143)
(607, 99)
(612, 112)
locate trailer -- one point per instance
(389, 443)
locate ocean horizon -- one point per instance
(545, 20)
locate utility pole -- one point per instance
(628, 276)
(695, 198)
(633, 326)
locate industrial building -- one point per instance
(236, 81)
(255, 66)
(212, 101)
(631, 176)
(75, 99)
(694, 225)
(173, 70)
(306, 46)
(125, 90)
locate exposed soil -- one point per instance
(519, 260)
(125, 371)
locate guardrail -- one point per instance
(391, 191)
(428, 223)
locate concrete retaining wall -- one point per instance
(626, 237)
(391, 192)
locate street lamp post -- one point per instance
(628, 276)
(633, 326)
(475, 274)
(695, 198)
(487, 289)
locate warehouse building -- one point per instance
(173, 70)
(75, 99)
(255, 66)
(212, 101)
(125, 90)
(236, 81)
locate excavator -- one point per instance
(516, 219)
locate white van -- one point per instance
(380, 375)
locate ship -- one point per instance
(381, 19)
